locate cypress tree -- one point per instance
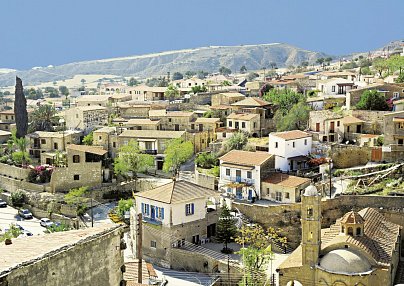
(226, 228)
(20, 109)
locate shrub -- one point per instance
(124, 206)
(207, 160)
(17, 198)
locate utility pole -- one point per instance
(330, 164)
(139, 243)
(91, 208)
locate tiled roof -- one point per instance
(220, 107)
(48, 134)
(179, 114)
(379, 237)
(251, 101)
(245, 158)
(176, 192)
(207, 120)
(90, 108)
(157, 112)
(351, 120)
(232, 94)
(352, 217)
(142, 121)
(88, 149)
(290, 135)
(286, 180)
(157, 134)
(28, 250)
(398, 119)
(243, 116)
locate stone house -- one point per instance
(96, 99)
(41, 142)
(142, 124)
(226, 98)
(353, 251)
(206, 124)
(247, 122)
(147, 93)
(393, 145)
(86, 118)
(188, 83)
(174, 215)
(241, 173)
(111, 88)
(90, 256)
(283, 188)
(107, 138)
(290, 149)
(334, 86)
(177, 120)
(134, 110)
(86, 166)
(398, 105)
(7, 120)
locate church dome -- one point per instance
(345, 261)
(310, 191)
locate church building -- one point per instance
(361, 248)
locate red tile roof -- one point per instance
(245, 158)
(290, 135)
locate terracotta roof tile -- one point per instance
(286, 180)
(352, 217)
(245, 158)
(243, 116)
(98, 150)
(290, 135)
(251, 101)
(351, 120)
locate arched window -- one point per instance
(358, 231)
(309, 212)
(350, 231)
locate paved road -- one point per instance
(10, 215)
(182, 278)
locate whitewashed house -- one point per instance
(334, 86)
(290, 148)
(241, 173)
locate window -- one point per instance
(267, 191)
(169, 119)
(113, 144)
(153, 244)
(276, 144)
(224, 135)
(333, 88)
(99, 138)
(148, 145)
(396, 95)
(160, 213)
(338, 123)
(145, 209)
(242, 124)
(249, 174)
(192, 126)
(309, 212)
(76, 177)
(350, 231)
(6, 116)
(401, 125)
(230, 123)
(43, 141)
(287, 196)
(227, 172)
(358, 231)
(55, 145)
(255, 124)
(293, 144)
(189, 209)
(76, 158)
(278, 196)
(347, 129)
(305, 141)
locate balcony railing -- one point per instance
(238, 179)
(150, 151)
(152, 220)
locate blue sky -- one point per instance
(44, 32)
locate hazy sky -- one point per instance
(44, 32)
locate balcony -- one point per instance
(238, 179)
(150, 151)
(152, 221)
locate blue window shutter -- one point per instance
(147, 209)
(192, 208)
(162, 213)
(142, 208)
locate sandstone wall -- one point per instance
(205, 180)
(13, 171)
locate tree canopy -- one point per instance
(43, 118)
(243, 69)
(20, 109)
(177, 152)
(132, 82)
(237, 141)
(372, 100)
(224, 70)
(171, 92)
(177, 76)
(226, 229)
(89, 138)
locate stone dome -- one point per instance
(310, 191)
(345, 261)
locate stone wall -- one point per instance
(373, 120)
(205, 180)
(94, 260)
(13, 171)
(350, 156)
(287, 216)
(12, 184)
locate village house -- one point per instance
(113, 88)
(393, 145)
(85, 166)
(241, 174)
(353, 251)
(177, 120)
(252, 88)
(142, 124)
(107, 138)
(290, 149)
(246, 122)
(40, 143)
(283, 188)
(86, 118)
(7, 120)
(96, 99)
(334, 87)
(174, 215)
(147, 93)
(206, 124)
(398, 105)
(127, 110)
(188, 83)
(226, 98)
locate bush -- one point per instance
(207, 160)
(124, 206)
(19, 157)
(215, 171)
(17, 198)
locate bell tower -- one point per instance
(311, 226)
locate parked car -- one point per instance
(25, 233)
(3, 204)
(45, 222)
(24, 213)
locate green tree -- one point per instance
(124, 206)
(131, 160)
(206, 160)
(198, 88)
(226, 229)
(177, 152)
(400, 78)
(20, 109)
(172, 92)
(236, 142)
(64, 90)
(58, 228)
(243, 69)
(252, 75)
(17, 198)
(320, 61)
(284, 99)
(328, 60)
(76, 197)
(372, 100)
(43, 118)
(295, 118)
(12, 232)
(305, 64)
(83, 81)
(190, 74)
(132, 82)
(273, 65)
(177, 76)
(88, 139)
(224, 70)
(380, 65)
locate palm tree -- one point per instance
(43, 118)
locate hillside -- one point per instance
(208, 59)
